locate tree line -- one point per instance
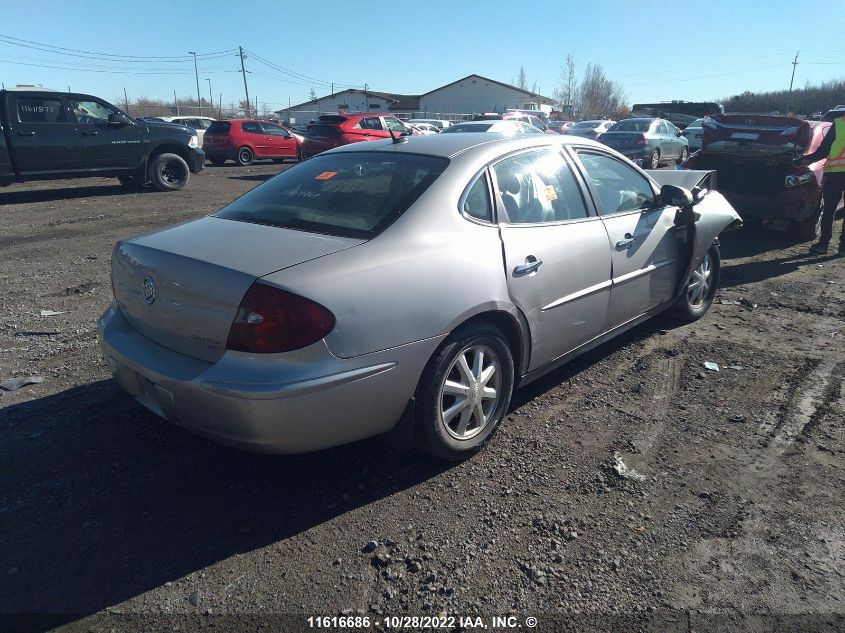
(804, 101)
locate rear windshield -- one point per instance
(322, 131)
(332, 118)
(589, 124)
(218, 127)
(474, 127)
(631, 126)
(352, 194)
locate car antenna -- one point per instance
(397, 139)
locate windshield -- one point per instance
(588, 124)
(631, 126)
(352, 194)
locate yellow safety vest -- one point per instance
(836, 158)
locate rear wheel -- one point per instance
(701, 288)
(169, 172)
(464, 392)
(245, 156)
(653, 161)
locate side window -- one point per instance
(274, 130)
(204, 124)
(41, 110)
(539, 186)
(620, 188)
(370, 123)
(662, 129)
(394, 124)
(90, 111)
(251, 128)
(477, 203)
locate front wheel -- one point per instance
(701, 287)
(169, 172)
(464, 392)
(245, 156)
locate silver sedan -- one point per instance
(404, 287)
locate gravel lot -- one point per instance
(113, 519)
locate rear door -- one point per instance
(280, 143)
(43, 134)
(642, 235)
(105, 146)
(255, 137)
(557, 259)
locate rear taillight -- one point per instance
(271, 320)
(641, 141)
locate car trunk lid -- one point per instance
(181, 287)
(778, 138)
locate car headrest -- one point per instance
(508, 182)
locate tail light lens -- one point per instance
(271, 320)
(641, 141)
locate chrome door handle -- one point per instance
(531, 265)
(626, 243)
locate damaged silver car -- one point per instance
(405, 287)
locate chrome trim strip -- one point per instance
(621, 279)
(274, 391)
(577, 295)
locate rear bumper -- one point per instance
(797, 204)
(297, 402)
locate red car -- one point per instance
(244, 140)
(753, 156)
(334, 130)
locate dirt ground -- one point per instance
(113, 519)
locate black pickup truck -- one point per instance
(46, 135)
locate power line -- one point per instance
(298, 78)
(118, 72)
(175, 58)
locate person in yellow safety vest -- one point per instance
(833, 184)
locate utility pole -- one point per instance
(243, 71)
(210, 98)
(176, 101)
(789, 95)
(220, 107)
(366, 99)
(197, 75)
(332, 88)
(125, 99)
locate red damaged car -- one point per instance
(333, 130)
(753, 156)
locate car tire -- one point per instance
(299, 156)
(653, 160)
(700, 289)
(810, 229)
(465, 360)
(217, 162)
(684, 155)
(169, 172)
(244, 156)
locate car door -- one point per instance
(105, 146)
(668, 148)
(43, 135)
(644, 246)
(557, 260)
(280, 143)
(254, 137)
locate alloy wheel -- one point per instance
(470, 393)
(700, 282)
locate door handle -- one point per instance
(27, 133)
(626, 243)
(531, 265)
(90, 133)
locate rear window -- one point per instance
(588, 124)
(332, 118)
(219, 127)
(475, 127)
(630, 126)
(352, 194)
(322, 131)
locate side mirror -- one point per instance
(678, 133)
(119, 120)
(675, 196)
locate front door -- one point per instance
(280, 143)
(557, 260)
(642, 234)
(105, 146)
(44, 138)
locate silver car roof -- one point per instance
(451, 145)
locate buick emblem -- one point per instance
(149, 290)
(750, 121)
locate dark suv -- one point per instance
(334, 130)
